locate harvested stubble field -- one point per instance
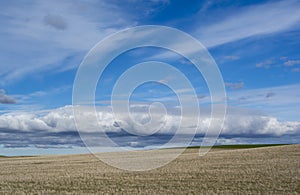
(267, 170)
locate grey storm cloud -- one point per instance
(5, 99)
(270, 94)
(56, 21)
(201, 96)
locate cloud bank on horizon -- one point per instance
(57, 128)
(255, 45)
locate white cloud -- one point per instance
(270, 62)
(281, 101)
(266, 64)
(73, 28)
(296, 70)
(23, 122)
(292, 62)
(259, 125)
(255, 20)
(250, 21)
(232, 57)
(238, 85)
(283, 58)
(237, 123)
(40, 39)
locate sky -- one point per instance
(255, 45)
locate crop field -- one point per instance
(261, 170)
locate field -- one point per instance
(271, 170)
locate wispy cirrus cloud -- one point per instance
(245, 22)
(248, 21)
(41, 39)
(279, 101)
(72, 29)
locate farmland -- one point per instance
(273, 169)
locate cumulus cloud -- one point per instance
(283, 58)
(258, 125)
(233, 57)
(265, 64)
(55, 21)
(296, 70)
(5, 99)
(57, 127)
(239, 85)
(271, 62)
(292, 62)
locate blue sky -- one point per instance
(254, 43)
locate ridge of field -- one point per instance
(262, 170)
(240, 146)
